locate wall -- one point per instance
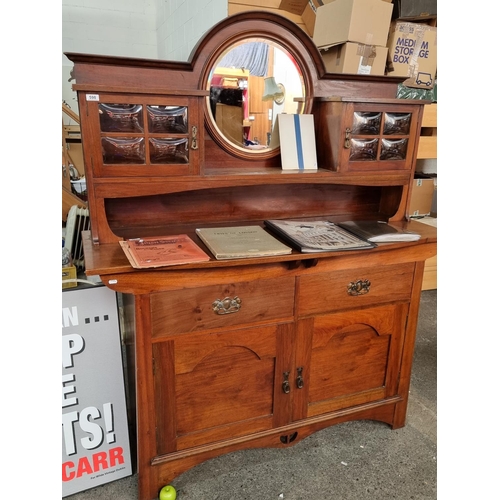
(180, 24)
(110, 28)
(151, 29)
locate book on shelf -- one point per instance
(159, 251)
(317, 236)
(241, 242)
(379, 231)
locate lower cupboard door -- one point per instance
(350, 358)
(211, 387)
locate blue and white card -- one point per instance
(297, 142)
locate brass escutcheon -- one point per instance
(347, 142)
(194, 137)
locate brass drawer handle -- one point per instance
(227, 305)
(359, 287)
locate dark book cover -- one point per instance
(379, 231)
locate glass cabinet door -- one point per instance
(145, 135)
(377, 138)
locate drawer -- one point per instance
(325, 292)
(222, 306)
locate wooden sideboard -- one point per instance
(304, 350)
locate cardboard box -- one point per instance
(414, 9)
(413, 53)
(293, 6)
(422, 195)
(362, 21)
(355, 58)
(304, 8)
(69, 273)
(309, 14)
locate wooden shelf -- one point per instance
(427, 147)
(430, 270)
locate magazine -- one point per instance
(162, 251)
(240, 242)
(317, 236)
(379, 231)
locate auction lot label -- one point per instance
(95, 438)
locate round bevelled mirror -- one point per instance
(252, 81)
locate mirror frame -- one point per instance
(285, 35)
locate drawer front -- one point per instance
(326, 292)
(222, 306)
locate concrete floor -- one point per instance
(350, 461)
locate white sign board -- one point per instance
(297, 142)
(95, 439)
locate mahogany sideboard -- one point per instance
(315, 339)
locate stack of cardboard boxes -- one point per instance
(352, 35)
(373, 37)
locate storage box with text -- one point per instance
(355, 58)
(413, 53)
(363, 21)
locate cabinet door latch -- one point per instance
(299, 380)
(285, 385)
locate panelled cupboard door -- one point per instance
(226, 385)
(348, 358)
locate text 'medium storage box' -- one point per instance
(413, 53)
